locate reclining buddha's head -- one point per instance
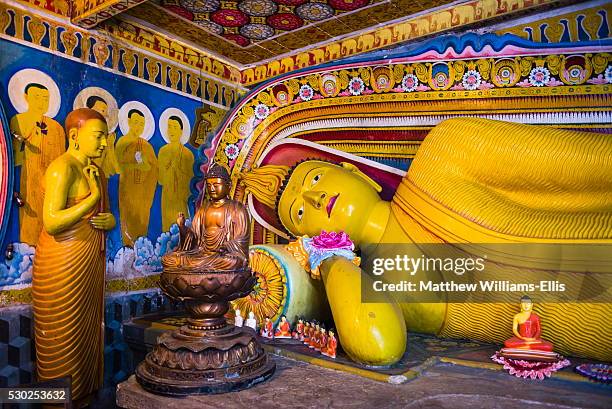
(315, 195)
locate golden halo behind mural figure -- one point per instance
(163, 124)
(102, 101)
(84, 98)
(21, 79)
(149, 126)
(40, 139)
(176, 165)
(138, 170)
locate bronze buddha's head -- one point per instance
(218, 182)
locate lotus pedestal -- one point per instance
(207, 355)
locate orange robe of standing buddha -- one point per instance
(68, 304)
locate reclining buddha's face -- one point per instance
(324, 196)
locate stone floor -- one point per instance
(300, 385)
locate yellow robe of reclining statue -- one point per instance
(480, 181)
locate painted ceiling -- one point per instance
(249, 31)
(249, 22)
(244, 42)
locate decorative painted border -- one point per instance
(165, 45)
(55, 7)
(66, 40)
(586, 24)
(582, 26)
(470, 66)
(23, 295)
(94, 13)
(453, 17)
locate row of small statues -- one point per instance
(239, 321)
(311, 333)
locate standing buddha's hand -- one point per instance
(91, 175)
(103, 221)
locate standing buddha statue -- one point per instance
(70, 262)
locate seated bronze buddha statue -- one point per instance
(207, 271)
(218, 239)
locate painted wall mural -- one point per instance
(88, 13)
(150, 52)
(453, 17)
(164, 63)
(148, 164)
(58, 7)
(257, 41)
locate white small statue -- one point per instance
(251, 321)
(238, 319)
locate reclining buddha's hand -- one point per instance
(370, 333)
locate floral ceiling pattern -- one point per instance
(247, 22)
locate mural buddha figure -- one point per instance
(218, 239)
(176, 170)
(70, 260)
(137, 181)
(540, 186)
(41, 140)
(108, 161)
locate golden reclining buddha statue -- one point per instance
(472, 181)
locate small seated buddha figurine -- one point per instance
(526, 329)
(332, 345)
(238, 319)
(283, 330)
(267, 329)
(299, 330)
(306, 335)
(251, 321)
(322, 344)
(218, 239)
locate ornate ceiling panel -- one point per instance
(249, 31)
(248, 41)
(249, 22)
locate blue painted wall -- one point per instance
(71, 77)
